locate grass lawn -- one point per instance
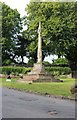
(0, 82)
(53, 88)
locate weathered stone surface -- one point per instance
(39, 50)
(5, 76)
(37, 69)
(38, 73)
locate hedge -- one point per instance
(58, 70)
(24, 70)
(14, 70)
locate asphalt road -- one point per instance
(17, 104)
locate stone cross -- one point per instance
(39, 52)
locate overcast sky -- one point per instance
(19, 4)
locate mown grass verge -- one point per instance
(53, 88)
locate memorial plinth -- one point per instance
(38, 73)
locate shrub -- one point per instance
(46, 63)
(6, 62)
(58, 70)
(23, 70)
(30, 62)
(14, 70)
(60, 61)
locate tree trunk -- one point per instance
(59, 55)
(73, 67)
(74, 74)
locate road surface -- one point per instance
(18, 104)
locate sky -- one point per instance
(20, 5)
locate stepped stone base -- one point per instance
(38, 74)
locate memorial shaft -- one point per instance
(38, 73)
(39, 52)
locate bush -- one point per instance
(58, 70)
(14, 70)
(23, 70)
(6, 62)
(30, 62)
(60, 61)
(45, 63)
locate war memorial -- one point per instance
(38, 73)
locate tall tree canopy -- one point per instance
(21, 48)
(59, 28)
(0, 33)
(11, 26)
(59, 31)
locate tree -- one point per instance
(59, 24)
(60, 62)
(34, 15)
(0, 34)
(21, 46)
(11, 27)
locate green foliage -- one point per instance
(30, 62)
(59, 31)
(21, 47)
(11, 22)
(11, 26)
(60, 61)
(45, 63)
(59, 24)
(23, 70)
(7, 62)
(0, 20)
(58, 70)
(0, 33)
(15, 70)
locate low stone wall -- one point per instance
(5, 76)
